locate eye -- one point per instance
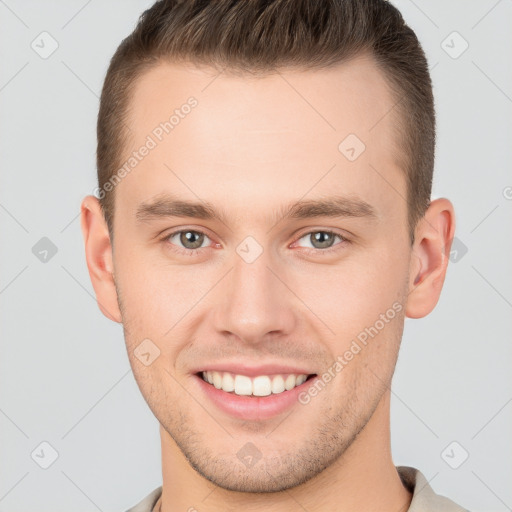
(186, 241)
(190, 242)
(322, 240)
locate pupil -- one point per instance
(323, 238)
(188, 238)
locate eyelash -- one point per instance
(194, 252)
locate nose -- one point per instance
(254, 303)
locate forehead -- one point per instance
(278, 135)
(351, 97)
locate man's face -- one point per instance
(262, 292)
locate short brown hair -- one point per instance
(263, 36)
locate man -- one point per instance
(262, 227)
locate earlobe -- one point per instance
(98, 253)
(430, 255)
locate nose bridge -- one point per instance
(255, 301)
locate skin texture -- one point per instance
(250, 147)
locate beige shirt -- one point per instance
(424, 499)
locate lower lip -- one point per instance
(253, 408)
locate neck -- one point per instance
(363, 478)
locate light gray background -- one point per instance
(64, 373)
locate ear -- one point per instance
(430, 255)
(98, 253)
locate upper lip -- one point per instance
(253, 371)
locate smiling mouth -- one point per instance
(261, 385)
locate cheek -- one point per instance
(363, 306)
(155, 293)
(156, 301)
(353, 294)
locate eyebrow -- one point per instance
(167, 205)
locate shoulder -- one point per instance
(147, 503)
(424, 499)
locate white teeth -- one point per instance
(243, 385)
(217, 380)
(262, 385)
(290, 382)
(277, 384)
(228, 383)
